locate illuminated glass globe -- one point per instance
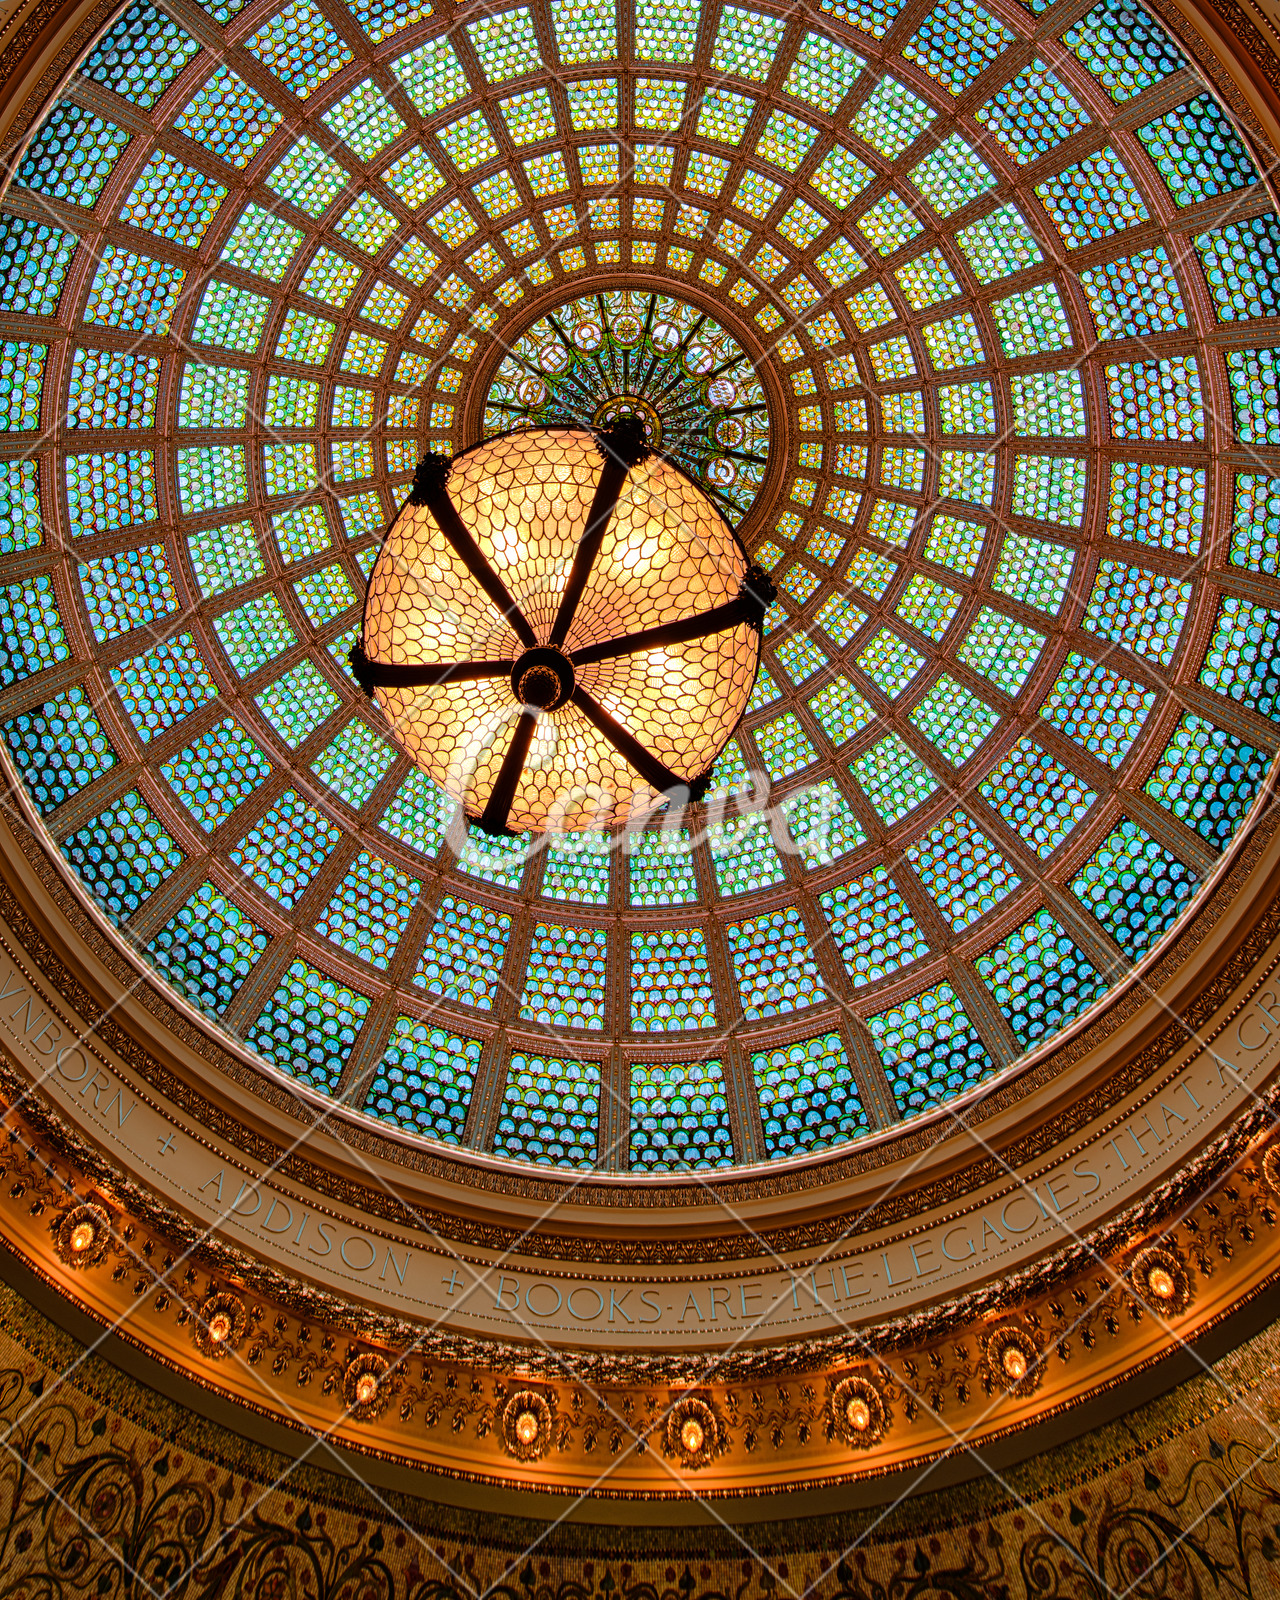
(561, 628)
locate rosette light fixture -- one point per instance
(561, 628)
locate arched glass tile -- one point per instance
(370, 909)
(679, 1118)
(1140, 609)
(58, 747)
(207, 949)
(1160, 506)
(463, 956)
(1197, 152)
(773, 964)
(418, 815)
(1242, 267)
(21, 524)
(140, 55)
(253, 634)
(954, 720)
(72, 155)
(872, 927)
(1134, 887)
(743, 854)
(822, 824)
(1123, 47)
(565, 979)
(298, 703)
(493, 860)
(308, 1027)
(1050, 488)
(33, 262)
(217, 772)
(164, 685)
(660, 868)
(355, 763)
(285, 848)
(956, 42)
(576, 868)
(670, 983)
(1207, 779)
(122, 855)
(424, 1081)
(1039, 978)
(930, 1049)
(1241, 660)
(229, 118)
(962, 870)
(1041, 798)
(550, 1112)
(808, 1096)
(113, 490)
(128, 590)
(1096, 707)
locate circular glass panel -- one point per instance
(1019, 686)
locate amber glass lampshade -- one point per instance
(561, 628)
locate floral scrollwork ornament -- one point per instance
(1271, 1168)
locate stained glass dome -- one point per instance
(1003, 281)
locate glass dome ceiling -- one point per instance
(1010, 287)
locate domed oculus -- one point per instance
(653, 357)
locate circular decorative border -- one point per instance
(784, 1035)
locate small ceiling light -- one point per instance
(858, 1412)
(1161, 1280)
(527, 1420)
(1014, 1362)
(365, 1386)
(82, 1236)
(221, 1324)
(694, 1435)
(566, 632)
